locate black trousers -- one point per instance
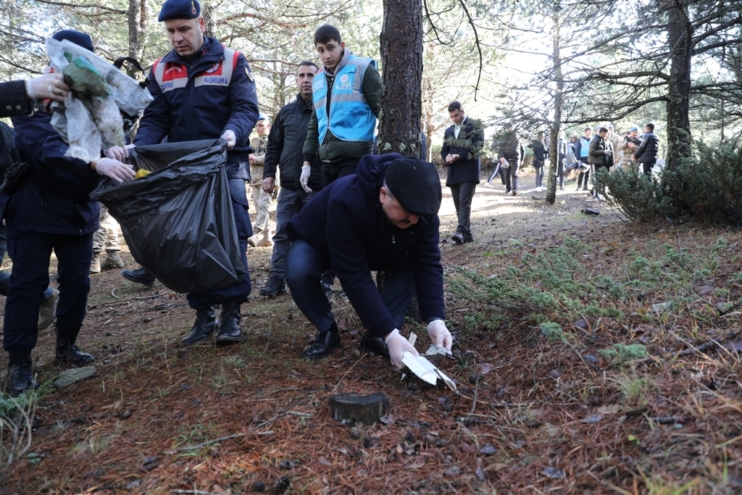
(31, 252)
(462, 196)
(341, 168)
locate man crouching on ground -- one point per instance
(385, 217)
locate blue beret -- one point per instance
(262, 116)
(76, 37)
(634, 129)
(179, 9)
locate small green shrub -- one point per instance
(707, 186)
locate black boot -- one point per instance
(229, 325)
(68, 353)
(275, 286)
(140, 276)
(20, 376)
(204, 326)
(322, 344)
(373, 345)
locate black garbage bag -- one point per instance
(178, 220)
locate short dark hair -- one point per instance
(307, 63)
(326, 33)
(602, 129)
(454, 106)
(651, 126)
(588, 129)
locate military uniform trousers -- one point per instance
(31, 252)
(260, 198)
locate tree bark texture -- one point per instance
(402, 69)
(680, 41)
(558, 102)
(137, 16)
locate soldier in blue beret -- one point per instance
(203, 90)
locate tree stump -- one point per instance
(352, 408)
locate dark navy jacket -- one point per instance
(346, 224)
(204, 110)
(647, 152)
(467, 146)
(53, 198)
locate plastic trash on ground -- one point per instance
(178, 220)
(426, 371)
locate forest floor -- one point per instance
(592, 356)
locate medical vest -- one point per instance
(584, 147)
(351, 118)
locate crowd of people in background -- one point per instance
(581, 155)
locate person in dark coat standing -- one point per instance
(511, 155)
(600, 156)
(19, 97)
(647, 152)
(385, 217)
(299, 182)
(540, 154)
(50, 210)
(203, 90)
(462, 143)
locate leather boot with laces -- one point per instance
(229, 325)
(20, 375)
(274, 286)
(204, 326)
(140, 276)
(68, 353)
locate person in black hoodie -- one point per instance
(647, 152)
(385, 217)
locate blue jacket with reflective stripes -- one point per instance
(201, 100)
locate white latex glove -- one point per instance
(306, 170)
(120, 172)
(47, 86)
(397, 346)
(230, 137)
(439, 334)
(119, 153)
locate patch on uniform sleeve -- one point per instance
(249, 74)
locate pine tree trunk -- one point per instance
(558, 99)
(402, 69)
(137, 19)
(679, 34)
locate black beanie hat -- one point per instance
(415, 185)
(76, 37)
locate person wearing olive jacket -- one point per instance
(462, 143)
(346, 95)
